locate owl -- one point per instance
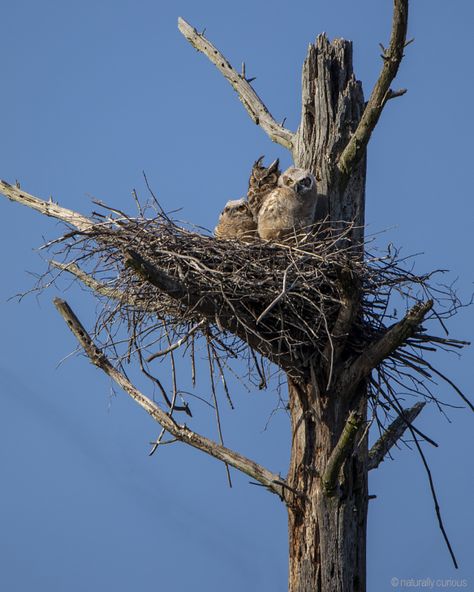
(236, 222)
(290, 207)
(262, 181)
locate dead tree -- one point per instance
(315, 308)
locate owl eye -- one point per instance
(287, 181)
(306, 182)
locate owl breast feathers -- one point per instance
(236, 222)
(262, 181)
(290, 208)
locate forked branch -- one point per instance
(381, 93)
(247, 95)
(181, 432)
(393, 434)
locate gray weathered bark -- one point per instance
(327, 528)
(327, 542)
(332, 106)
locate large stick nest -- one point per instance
(168, 285)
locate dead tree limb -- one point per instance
(340, 453)
(247, 95)
(381, 93)
(91, 282)
(48, 208)
(181, 432)
(375, 353)
(393, 434)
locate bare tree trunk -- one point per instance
(327, 529)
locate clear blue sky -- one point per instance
(93, 92)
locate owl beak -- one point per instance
(301, 187)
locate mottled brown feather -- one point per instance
(262, 181)
(236, 222)
(290, 208)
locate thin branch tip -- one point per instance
(241, 84)
(392, 57)
(393, 94)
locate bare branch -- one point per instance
(341, 451)
(446, 379)
(381, 93)
(158, 278)
(393, 94)
(435, 498)
(181, 432)
(392, 434)
(177, 343)
(248, 97)
(48, 208)
(376, 352)
(124, 297)
(91, 282)
(276, 300)
(216, 406)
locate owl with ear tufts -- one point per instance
(262, 181)
(236, 222)
(289, 209)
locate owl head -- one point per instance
(301, 181)
(235, 207)
(262, 176)
(236, 222)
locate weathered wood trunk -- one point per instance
(327, 530)
(332, 105)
